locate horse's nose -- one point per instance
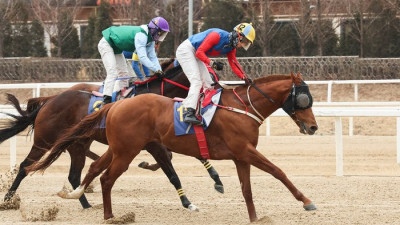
(313, 128)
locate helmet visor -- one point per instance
(245, 43)
(162, 34)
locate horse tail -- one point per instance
(24, 119)
(85, 129)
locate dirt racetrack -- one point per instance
(367, 194)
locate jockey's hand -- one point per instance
(218, 66)
(159, 73)
(247, 80)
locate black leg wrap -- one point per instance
(185, 201)
(9, 195)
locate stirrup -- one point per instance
(193, 120)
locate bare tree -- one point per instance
(261, 16)
(177, 14)
(7, 13)
(366, 13)
(326, 12)
(49, 13)
(304, 27)
(395, 6)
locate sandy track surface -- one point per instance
(367, 194)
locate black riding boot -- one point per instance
(190, 117)
(107, 99)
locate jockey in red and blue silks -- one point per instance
(193, 56)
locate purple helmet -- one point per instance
(158, 28)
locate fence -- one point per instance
(17, 70)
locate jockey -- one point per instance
(193, 53)
(136, 66)
(130, 38)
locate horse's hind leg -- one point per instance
(77, 153)
(119, 164)
(95, 169)
(258, 160)
(34, 155)
(218, 186)
(162, 157)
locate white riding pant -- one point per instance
(115, 65)
(196, 72)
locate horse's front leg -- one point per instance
(243, 171)
(256, 159)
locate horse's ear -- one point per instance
(293, 76)
(299, 76)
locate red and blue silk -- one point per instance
(215, 42)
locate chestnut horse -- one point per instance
(232, 134)
(51, 116)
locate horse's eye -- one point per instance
(302, 100)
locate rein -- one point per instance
(258, 118)
(163, 80)
(171, 82)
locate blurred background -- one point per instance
(56, 40)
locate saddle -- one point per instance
(118, 95)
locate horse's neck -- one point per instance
(255, 101)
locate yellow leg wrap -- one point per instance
(180, 192)
(207, 165)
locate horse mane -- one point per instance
(271, 78)
(173, 71)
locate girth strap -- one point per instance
(201, 140)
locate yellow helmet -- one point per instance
(246, 30)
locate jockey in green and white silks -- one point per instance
(129, 38)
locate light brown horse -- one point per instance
(231, 135)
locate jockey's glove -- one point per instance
(247, 80)
(218, 66)
(159, 73)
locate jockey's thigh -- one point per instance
(204, 75)
(190, 66)
(122, 69)
(110, 64)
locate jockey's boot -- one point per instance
(190, 117)
(106, 99)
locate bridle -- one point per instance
(299, 98)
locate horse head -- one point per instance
(298, 105)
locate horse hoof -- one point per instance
(143, 164)
(310, 207)
(62, 194)
(219, 188)
(192, 207)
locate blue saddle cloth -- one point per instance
(207, 113)
(95, 102)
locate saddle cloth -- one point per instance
(207, 113)
(96, 99)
